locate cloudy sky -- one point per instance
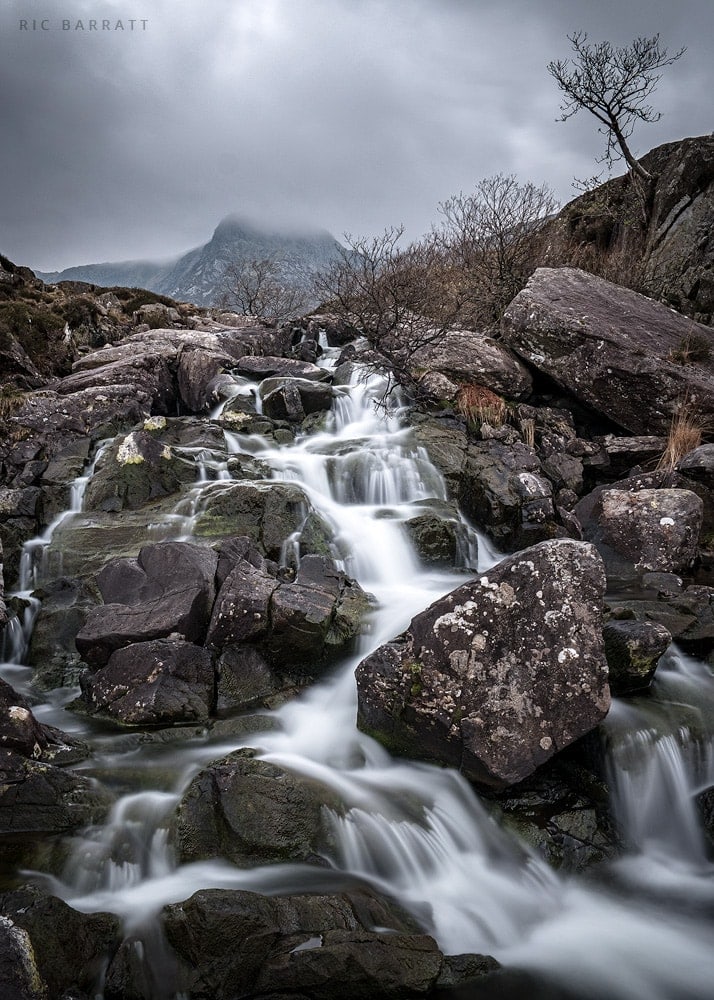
(348, 115)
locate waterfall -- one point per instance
(417, 832)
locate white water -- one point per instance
(418, 832)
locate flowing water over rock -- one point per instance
(636, 930)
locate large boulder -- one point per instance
(643, 530)
(503, 490)
(298, 622)
(153, 683)
(36, 797)
(136, 469)
(611, 348)
(236, 943)
(267, 512)
(465, 356)
(169, 588)
(499, 675)
(252, 812)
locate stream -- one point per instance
(637, 929)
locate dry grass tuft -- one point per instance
(686, 433)
(479, 405)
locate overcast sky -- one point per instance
(347, 115)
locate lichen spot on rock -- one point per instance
(666, 521)
(155, 424)
(128, 452)
(567, 654)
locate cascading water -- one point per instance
(418, 832)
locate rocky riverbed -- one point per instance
(210, 530)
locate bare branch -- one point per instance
(614, 84)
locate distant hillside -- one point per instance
(199, 275)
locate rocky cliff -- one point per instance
(659, 241)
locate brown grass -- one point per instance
(686, 433)
(479, 405)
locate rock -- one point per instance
(264, 367)
(50, 421)
(434, 538)
(245, 679)
(293, 399)
(633, 650)
(196, 376)
(168, 588)
(468, 356)
(153, 683)
(148, 372)
(609, 347)
(19, 729)
(297, 624)
(68, 950)
(235, 943)
(137, 469)
(563, 813)
(679, 263)
(18, 965)
(62, 614)
(625, 452)
(696, 473)
(252, 812)
(41, 798)
(499, 675)
(267, 512)
(705, 807)
(645, 530)
(503, 491)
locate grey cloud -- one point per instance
(348, 114)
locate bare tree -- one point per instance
(492, 237)
(401, 300)
(614, 84)
(256, 288)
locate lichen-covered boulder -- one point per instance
(136, 469)
(645, 530)
(499, 675)
(153, 683)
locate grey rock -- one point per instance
(609, 347)
(499, 675)
(239, 943)
(469, 356)
(252, 812)
(162, 682)
(633, 650)
(168, 589)
(36, 797)
(644, 530)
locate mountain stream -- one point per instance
(636, 929)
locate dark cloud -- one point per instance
(347, 114)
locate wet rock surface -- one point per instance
(252, 812)
(318, 946)
(499, 675)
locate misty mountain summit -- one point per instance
(199, 276)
